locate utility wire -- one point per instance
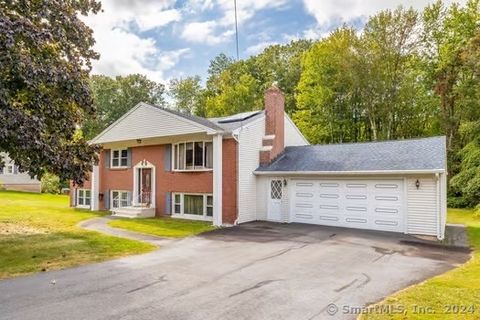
(236, 26)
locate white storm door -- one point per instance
(275, 200)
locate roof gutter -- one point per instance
(318, 173)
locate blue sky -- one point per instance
(164, 39)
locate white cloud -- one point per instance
(122, 51)
(246, 9)
(205, 32)
(214, 32)
(327, 11)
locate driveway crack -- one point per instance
(256, 286)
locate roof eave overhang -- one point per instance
(101, 142)
(339, 173)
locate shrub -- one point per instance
(50, 183)
(456, 202)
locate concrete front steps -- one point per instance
(133, 212)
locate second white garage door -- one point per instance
(365, 204)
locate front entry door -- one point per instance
(145, 185)
(275, 200)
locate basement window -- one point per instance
(195, 206)
(83, 198)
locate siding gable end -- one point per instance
(146, 121)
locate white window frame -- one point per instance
(84, 197)
(183, 215)
(5, 169)
(120, 192)
(112, 151)
(175, 159)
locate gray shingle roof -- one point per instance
(203, 121)
(221, 123)
(398, 155)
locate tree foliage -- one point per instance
(45, 58)
(113, 97)
(239, 86)
(186, 94)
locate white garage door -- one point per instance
(366, 204)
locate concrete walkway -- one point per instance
(101, 225)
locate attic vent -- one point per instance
(239, 117)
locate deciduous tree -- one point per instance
(45, 59)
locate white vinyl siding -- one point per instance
(250, 143)
(422, 204)
(263, 183)
(293, 136)
(145, 121)
(18, 180)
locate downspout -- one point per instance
(236, 136)
(439, 209)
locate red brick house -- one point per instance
(258, 166)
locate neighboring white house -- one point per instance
(11, 179)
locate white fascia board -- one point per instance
(333, 173)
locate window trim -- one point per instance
(175, 160)
(5, 169)
(83, 206)
(119, 158)
(183, 215)
(119, 191)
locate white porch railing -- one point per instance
(143, 200)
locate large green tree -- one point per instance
(45, 59)
(368, 86)
(113, 97)
(447, 31)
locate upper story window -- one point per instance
(195, 155)
(9, 168)
(119, 158)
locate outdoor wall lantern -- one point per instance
(100, 196)
(284, 182)
(417, 184)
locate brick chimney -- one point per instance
(273, 141)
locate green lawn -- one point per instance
(38, 233)
(163, 227)
(459, 287)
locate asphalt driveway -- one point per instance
(254, 271)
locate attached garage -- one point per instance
(396, 186)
